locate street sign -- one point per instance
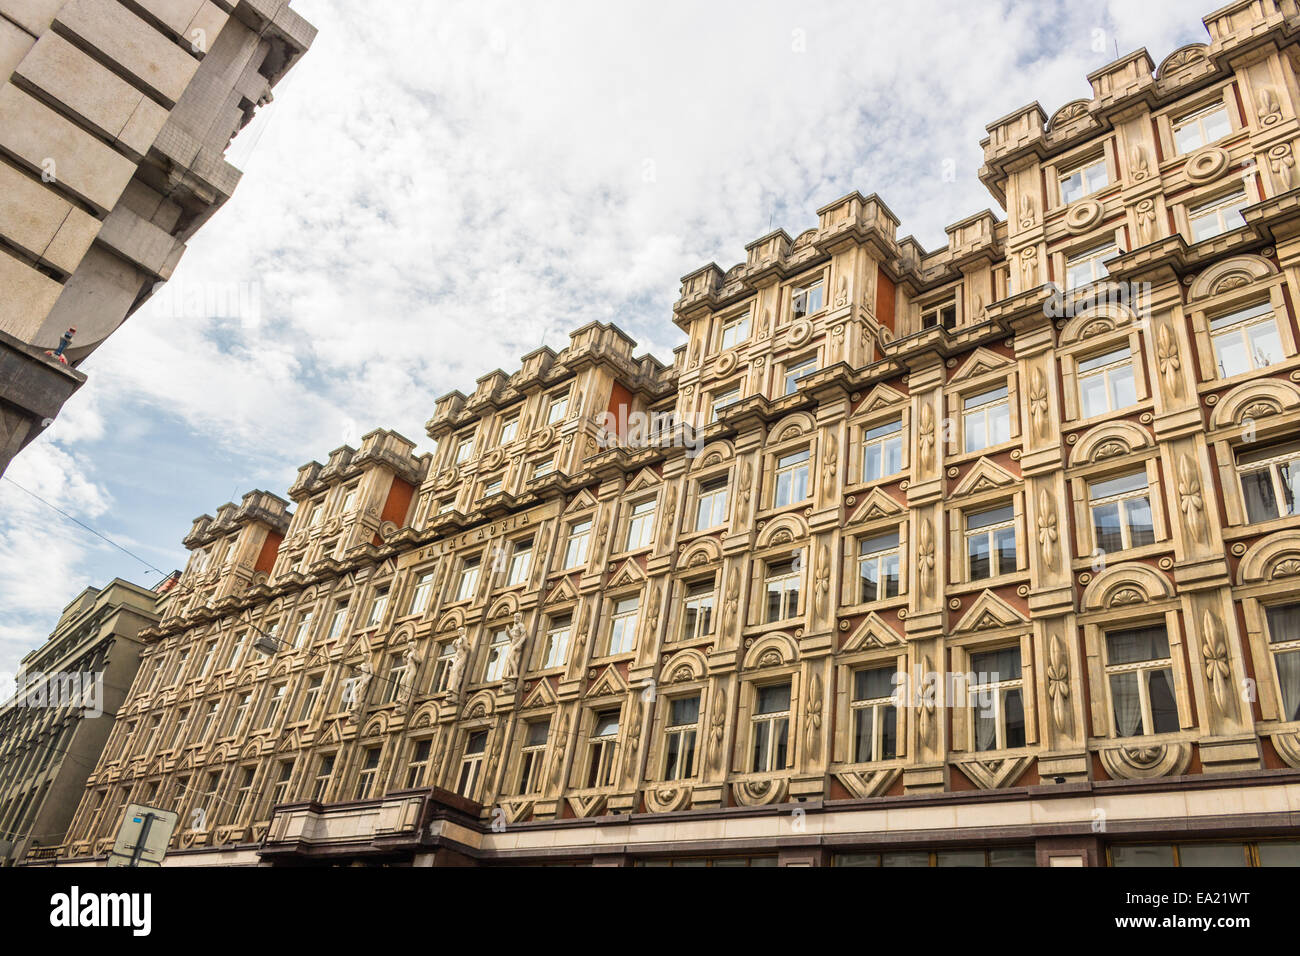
(143, 836)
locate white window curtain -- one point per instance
(1128, 708)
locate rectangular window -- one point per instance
(1121, 513)
(464, 449)
(1106, 383)
(711, 508)
(209, 651)
(576, 544)
(680, 738)
(509, 430)
(421, 593)
(1201, 128)
(782, 583)
(369, 774)
(795, 371)
(558, 408)
(878, 562)
(1284, 644)
(274, 701)
(1246, 340)
(770, 728)
(991, 543)
(441, 668)
(875, 714)
(310, 697)
(603, 747)
(641, 524)
(178, 734)
(240, 713)
(280, 792)
(471, 763)
(468, 579)
(336, 622)
(396, 681)
(944, 314)
(622, 635)
(997, 699)
(697, 610)
(544, 467)
(1270, 478)
(1089, 266)
(557, 643)
(1217, 216)
(721, 400)
(735, 331)
(791, 479)
(986, 419)
(237, 651)
(882, 450)
(806, 299)
(209, 720)
(377, 608)
(496, 657)
(520, 561)
(324, 773)
(242, 795)
(419, 764)
(349, 499)
(1139, 671)
(492, 488)
(532, 756)
(301, 631)
(1084, 180)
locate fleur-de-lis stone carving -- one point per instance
(927, 435)
(1167, 358)
(812, 736)
(1215, 651)
(1058, 684)
(925, 557)
(717, 727)
(1047, 529)
(1190, 501)
(1038, 402)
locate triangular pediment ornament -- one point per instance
(608, 684)
(869, 783)
(871, 632)
(995, 774)
(880, 398)
(630, 574)
(985, 475)
(981, 360)
(877, 504)
(542, 695)
(516, 810)
(387, 569)
(331, 735)
(563, 592)
(289, 742)
(988, 613)
(645, 478)
(587, 806)
(582, 501)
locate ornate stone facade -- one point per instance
(1065, 518)
(114, 121)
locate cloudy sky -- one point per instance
(441, 188)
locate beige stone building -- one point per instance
(979, 556)
(114, 118)
(53, 730)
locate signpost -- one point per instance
(143, 837)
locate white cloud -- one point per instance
(437, 190)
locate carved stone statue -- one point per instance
(360, 683)
(459, 658)
(515, 652)
(410, 664)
